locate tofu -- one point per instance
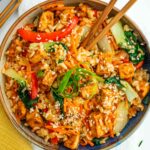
(102, 70)
(73, 141)
(38, 56)
(33, 119)
(49, 78)
(99, 123)
(46, 20)
(20, 110)
(89, 91)
(92, 125)
(144, 88)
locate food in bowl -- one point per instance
(66, 94)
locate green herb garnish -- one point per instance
(133, 48)
(70, 85)
(146, 100)
(125, 86)
(140, 143)
(23, 92)
(58, 98)
(114, 80)
(49, 47)
(97, 141)
(25, 96)
(40, 73)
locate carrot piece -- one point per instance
(139, 65)
(55, 140)
(90, 143)
(129, 80)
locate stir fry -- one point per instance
(67, 94)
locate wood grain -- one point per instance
(112, 22)
(8, 11)
(100, 20)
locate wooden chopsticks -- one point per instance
(107, 28)
(101, 19)
(8, 11)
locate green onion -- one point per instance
(64, 81)
(74, 85)
(82, 70)
(70, 85)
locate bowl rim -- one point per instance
(24, 15)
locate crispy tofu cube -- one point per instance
(89, 91)
(99, 123)
(107, 98)
(96, 124)
(144, 88)
(73, 141)
(126, 70)
(49, 78)
(46, 20)
(92, 125)
(20, 110)
(106, 93)
(102, 70)
(105, 66)
(34, 119)
(38, 56)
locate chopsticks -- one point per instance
(7, 8)
(8, 11)
(109, 25)
(101, 19)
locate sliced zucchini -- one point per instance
(121, 117)
(84, 32)
(13, 74)
(105, 45)
(118, 33)
(130, 92)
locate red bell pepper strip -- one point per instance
(34, 86)
(55, 140)
(139, 65)
(45, 37)
(125, 60)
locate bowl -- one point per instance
(32, 137)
